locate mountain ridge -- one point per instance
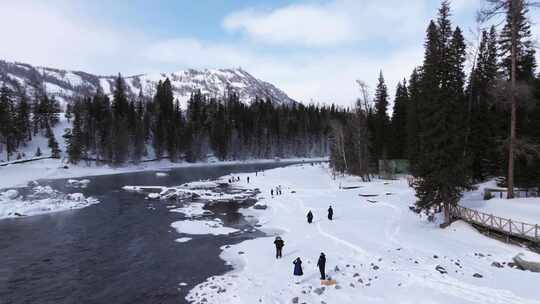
(67, 84)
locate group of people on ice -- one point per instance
(321, 263)
(310, 215)
(277, 191)
(234, 179)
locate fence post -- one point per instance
(510, 225)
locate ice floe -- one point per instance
(83, 183)
(183, 240)
(201, 227)
(41, 200)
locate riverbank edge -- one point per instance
(18, 175)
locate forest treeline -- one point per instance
(454, 124)
(128, 129)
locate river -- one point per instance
(121, 250)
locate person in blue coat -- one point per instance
(298, 267)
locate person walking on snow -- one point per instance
(330, 213)
(248, 179)
(298, 267)
(272, 192)
(322, 263)
(279, 246)
(309, 217)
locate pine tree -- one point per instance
(482, 143)
(7, 117)
(53, 112)
(53, 144)
(398, 125)
(219, 136)
(442, 166)
(139, 148)
(22, 117)
(120, 133)
(381, 120)
(413, 124)
(74, 147)
(517, 23)
(67, 115)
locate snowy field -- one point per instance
(377, 250)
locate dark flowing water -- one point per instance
(121, 250)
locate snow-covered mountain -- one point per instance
(213, 82)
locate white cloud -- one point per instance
(47, 34)
(336, 22)
(195, 53)
(303, 24)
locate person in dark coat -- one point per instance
(322, 263)
(279, 246)
(248, 179)
(330, 213)
(272, 192)
(298, 267)
(309, 217)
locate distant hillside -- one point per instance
(65, 84)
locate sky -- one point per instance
(313, 50)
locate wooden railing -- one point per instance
(508, 227)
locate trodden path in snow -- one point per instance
(379, 252)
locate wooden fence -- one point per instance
(508, 227)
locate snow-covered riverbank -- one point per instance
(18, 175)
(377, 250)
